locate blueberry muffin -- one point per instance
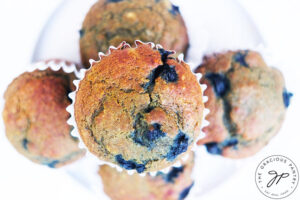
(174, 185)
(35, 117)
(139, 108)
(110, 22)
(247, 102)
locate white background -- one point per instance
(21, 23)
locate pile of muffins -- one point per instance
(139, 107)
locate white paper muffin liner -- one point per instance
(75, 132)
(55, 65)
(199, 181)
(84, 170)
(87, 168)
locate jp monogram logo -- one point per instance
(276, 177)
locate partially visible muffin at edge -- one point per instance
(139, 108)
(108, 23)
(175, 185)
(35, 117)
(247, 102)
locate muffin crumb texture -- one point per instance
(139, 108)
(110, 22)
(247, 102)
(35, 117)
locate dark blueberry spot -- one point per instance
(149, 109)
(150, 84)
(213, 148)
(113, 1)
(174, 10)
(25, 143)
(53, 164)
(81, 32)
(286, 98)
(180, 145)
(172, 175)
(230, 142)
(142, 135)
(241, 58)
(185, 192)
(140, 168)
(130, 164)
(217, 148)
(220, 83)
(156, 1)
(164, 54)
(155, 133)
(169, 74)
(166, 72)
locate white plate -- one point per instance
(213, 25)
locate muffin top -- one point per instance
(174, 185)
(247, 102)
(139, 108)
(112, 22)
(35, 117)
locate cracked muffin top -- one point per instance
(110, 22)
(175, 185)
(35, 117)
(247, 102)
(139, 108)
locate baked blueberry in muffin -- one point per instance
(247, 102)
(174, 185)
(139, 108)
(110, 22)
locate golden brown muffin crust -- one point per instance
(110, 23)
(126, 95)
(35, 117)
(246, 102)
(171, 186)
